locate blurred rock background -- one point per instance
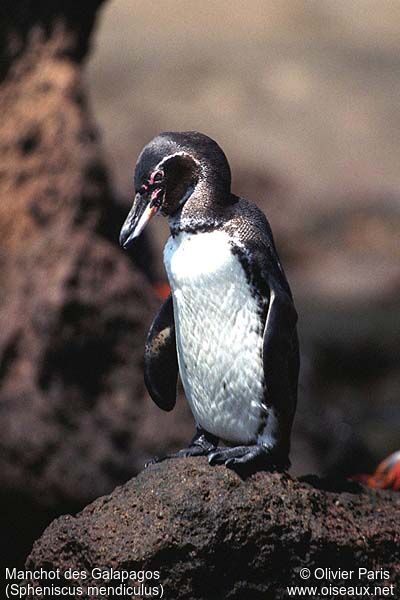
(303, 97)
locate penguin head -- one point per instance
(171, 168)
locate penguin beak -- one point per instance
(142, 211)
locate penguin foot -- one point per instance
(184, 453)
(256, 457)
(201, 445)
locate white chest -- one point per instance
(219, 335)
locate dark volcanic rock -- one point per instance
(214, 536)
(73, 311)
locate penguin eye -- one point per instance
(158, 176)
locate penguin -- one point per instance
(228, 328)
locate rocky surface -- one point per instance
(214, 535)
(74, 311)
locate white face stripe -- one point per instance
(187, 194)
(181, 153)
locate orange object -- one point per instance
(386, 476)
(162, 289)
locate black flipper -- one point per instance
(160, 358)
(281, 362)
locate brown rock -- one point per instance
(214, 535)
(73, 311)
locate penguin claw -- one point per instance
(154, 461)
(227, 456)
(194, 450)
(236, 461)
